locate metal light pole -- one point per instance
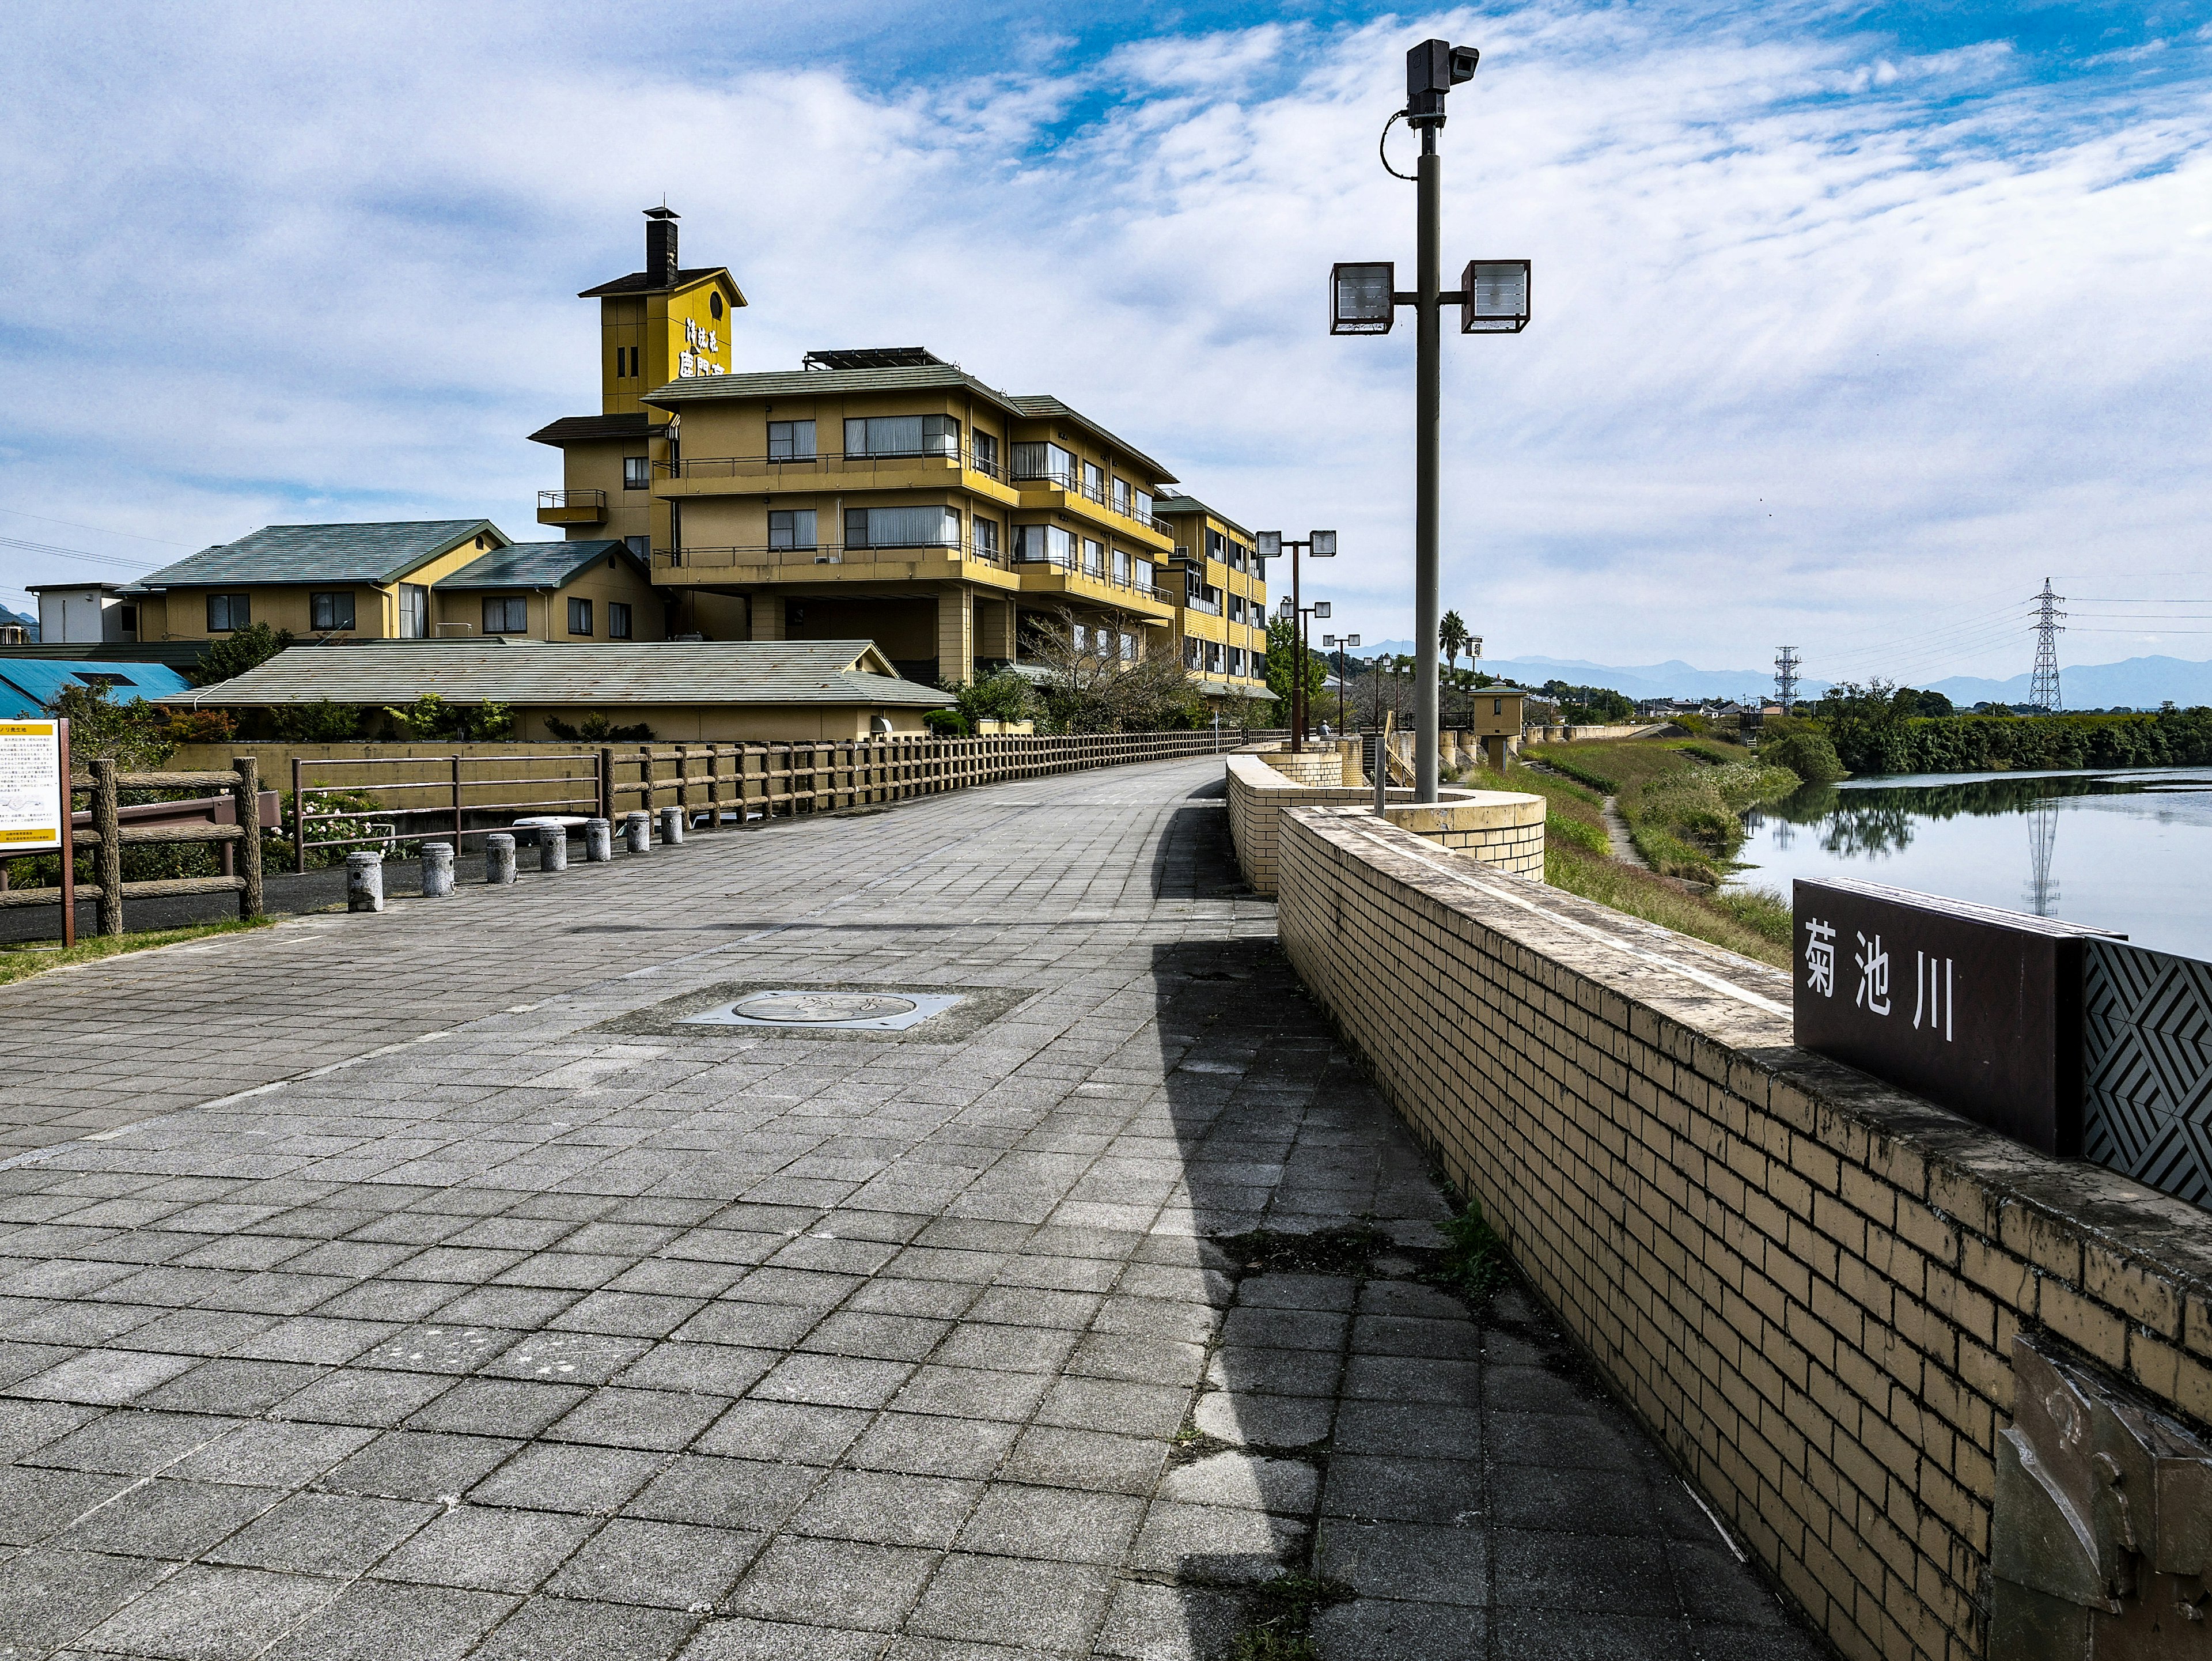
(1342, 646)
(1493, 297)
(1322, 545)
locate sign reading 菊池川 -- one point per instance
(1976, 1009)
(30, 787)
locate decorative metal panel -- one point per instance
(2147, 1066)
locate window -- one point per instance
(639, 545)
(507, 617)
(987, 454)
(617, 620)
(414, 611)
(715, 304)
(1047, 543)
(1190, 654)
(579, 617)
(903, 435)
(227, 613)
(1236, 608)
(129, 619)
(1144, 507)
(1129, 648)
(986, 535)
(1212, 658)
(1094, 481)
(902, 527)
(1094, 557)
(1236, 659)
(791, 440)
(1122, 496)
(1121, 565)
(791, 529)
(1045, 461)
(331, 611)
(637, 473)
(1142, 573)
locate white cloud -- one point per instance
(1827, 334)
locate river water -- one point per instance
(2129, 850)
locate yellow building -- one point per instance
(1220, 585)
(408, 579)
(882, 492)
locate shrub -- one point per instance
(202, 727)
(320, 722)
(234, 655)
(596, 728)
(135, 736)
(947, 723)
(1807, 752)
(431, 717)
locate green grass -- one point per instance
(1280, 1627)
(1719, 918)
(1680, 799)
(24, 959)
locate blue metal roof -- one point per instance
(28, 684)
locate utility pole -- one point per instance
(2042, 692)
(1785, 678)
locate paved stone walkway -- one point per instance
(432, 1291)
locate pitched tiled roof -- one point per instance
(571, 429)
(644, 673)
(536, 565)
(642, 282)
(1183, 504)
(376, 552)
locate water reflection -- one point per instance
(2124, 850)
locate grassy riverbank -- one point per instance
(1679, 792)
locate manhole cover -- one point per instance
(802, 1006)
(815, 1008)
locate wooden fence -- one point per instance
(107, 836)
(458, 796)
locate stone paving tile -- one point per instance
(558, 1331)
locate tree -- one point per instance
(1452, 635)
(135, 736)
(1283, 654)
(1091, 684)
(234, 654)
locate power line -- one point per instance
(127, 561)
(79, 525)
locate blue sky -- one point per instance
(1852, 323)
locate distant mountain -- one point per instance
(2139, 683)
(31, 623)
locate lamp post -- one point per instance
(1342, 645)
(1492, 298)
(1322, 545)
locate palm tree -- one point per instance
(1452, 635)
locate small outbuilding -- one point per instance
(683, 691)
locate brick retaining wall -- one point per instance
(1807, 1283)
(1496, 827)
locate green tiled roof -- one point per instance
(536, 565)
(1164, 506)
(370, 551)
(641, 674)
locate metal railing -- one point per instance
(827, 553)
(548, 500)
(1192, 603)
(831, 461)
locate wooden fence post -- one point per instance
(248, 793)
(107, 859)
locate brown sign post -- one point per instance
(1977, 1009)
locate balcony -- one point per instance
(699, 475)
(572, 507)
(1193, 603)
(757, 564)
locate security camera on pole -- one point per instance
(1492, 298)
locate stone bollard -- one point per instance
(499, 857)
(672, 826)
(552, 848)
(437, 870)
(637, 831)
(364, 882)
(599, 842)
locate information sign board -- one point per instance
(30, 819)
(1976, 1009)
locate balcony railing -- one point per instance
(1192, 603)
(555, 500)
(831, 462)
(823, 554)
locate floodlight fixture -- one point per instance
(1352, 640)
(1268, 545)
(1494, 297)
(1320, 608)
(1361, 297)
(1323, 543)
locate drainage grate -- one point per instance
(801, 1006)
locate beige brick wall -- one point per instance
(1496, 828)
(1807, 1283)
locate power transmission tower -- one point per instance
(1785, 678)
(2043, 693)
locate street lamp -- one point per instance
(1342, 644)
(1322, 545)
(1492, 298)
